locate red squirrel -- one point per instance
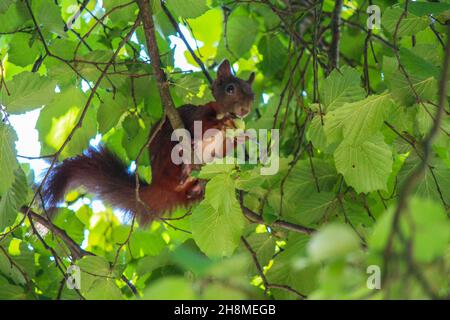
(171, 187)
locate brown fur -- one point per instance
(101, 173)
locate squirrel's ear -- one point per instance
(251, 78)
(224, 70)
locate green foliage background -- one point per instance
(349, 139)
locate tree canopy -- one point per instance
(358, 90)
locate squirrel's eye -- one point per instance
(229, 89)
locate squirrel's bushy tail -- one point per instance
(101, 173)
(104, 175)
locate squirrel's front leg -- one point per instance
(212, 145)
(186, 170)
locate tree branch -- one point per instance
(335, 35)
(172, 113)
(266, 283)
(75, 250)
(191, 51)
(153, 51)
(412, 181)
(255, 218)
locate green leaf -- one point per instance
(311, 209)
(354, 212)
(274, 54)
(241, 33)
(217, 234)
(435, 175)
(14, 17)
(341, 87)
(289, 269)
(210, 170)
(207, 29)
(316, 134)
(48, 15)
(418, 64)
(189, 257)
(162, 22)
(427, 8)
(170, 288)
(23, 256)
(110, 111)
(424, 119)
(98, 266)
(9, 270)
(333, 241)
(421, 79)
(411, 24)
(8, 162)
(188, 8)
(68, 221)
(424, 222)
(5, 4)
(22, 50)
(136, 136)
(103, 289)
(303, 179)
(218, 291)
(97, 279)
(59, 118)
(11, 292)
(145, 243)
(150, 263)
(27, 91)
(365, 165)
(432, 231)
(217, 223)
(367, 117)
(271, 19)
(334, 123)
(401, 89)
(189, 88)
(13, 199)
(251, 180)
(122, 17)
(263, 244)
(358, 120)
(131, 125)
(220, 192)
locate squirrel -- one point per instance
(100, 172)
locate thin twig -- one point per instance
(266, 283)
(255, 218)
(76, 251)
(183, 38)
(161, 79)
(417, 174)
(335, 35)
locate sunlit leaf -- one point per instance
(8, 162)
(27, 91)
(365, 165)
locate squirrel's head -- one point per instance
(234, 94)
